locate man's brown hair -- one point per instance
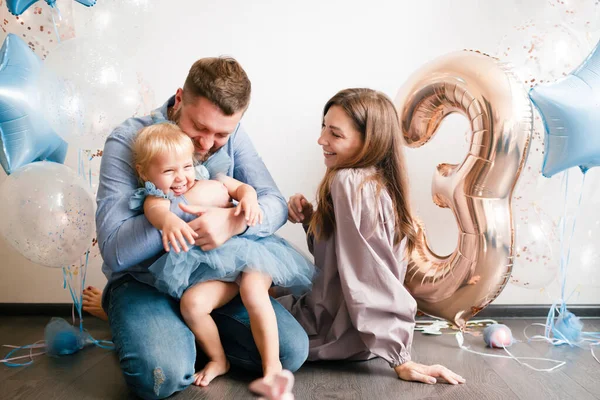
(222, 81)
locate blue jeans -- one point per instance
(157, 351)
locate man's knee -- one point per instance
(293, 349)
(152, 378)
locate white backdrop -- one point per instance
(297, 55)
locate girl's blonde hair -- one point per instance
(161, 138)
(375, 117)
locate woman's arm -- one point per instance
(380, 307)
(300, 210)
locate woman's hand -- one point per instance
(299, 209)
(412, 371)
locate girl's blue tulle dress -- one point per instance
(272, 255)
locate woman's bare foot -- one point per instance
(210, 371)
(92, 302)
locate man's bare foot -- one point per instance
(210, 371)
(92, 302)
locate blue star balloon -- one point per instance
(17, 7)
(570, 109)
(25, 136)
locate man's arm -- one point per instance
(249, 168)
(214, 226)
(125, 236)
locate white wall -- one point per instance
(298, 54)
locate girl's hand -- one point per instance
(175, 230)
(252, 213)
(299, 209)
(412, 371)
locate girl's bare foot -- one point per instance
(210, 371)
(92, 302)
(275, 387)
(272, 369)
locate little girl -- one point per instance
(204, 281)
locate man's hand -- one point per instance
(214, 226)
(412, 371)
(299, 209)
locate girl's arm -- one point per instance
(209, 193)
(247, 199)
(173, 228)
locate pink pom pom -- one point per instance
(498, 336)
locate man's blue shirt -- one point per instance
(129, 244)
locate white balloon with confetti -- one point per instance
(40, 26)
(581, 15)
(96, 90)
(47, 213)
(541, 52)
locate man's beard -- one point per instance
(174, 116)
(201, 158)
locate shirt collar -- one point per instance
(160, 114)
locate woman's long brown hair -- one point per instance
(375, 118)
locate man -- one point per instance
(156, 349)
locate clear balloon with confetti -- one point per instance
(97, 89)
(117, 22)
(581, 15)
(542, 52)
(582, 238)
(536, 257)
(47, 213)
(40, 26)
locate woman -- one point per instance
(360, 235)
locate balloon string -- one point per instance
(572, 232)
(460, 341)
(7, 360)
(558, 310)
(56, 15)
(592, 350)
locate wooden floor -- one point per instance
(94, 373)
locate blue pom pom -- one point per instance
(568, 327)
(63, 338)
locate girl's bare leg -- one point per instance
(254, 290)
(196, 305)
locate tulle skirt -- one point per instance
(272, 255)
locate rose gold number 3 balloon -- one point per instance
(479, 190)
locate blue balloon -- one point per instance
(570, 109)
(25, 136)
(18, 7)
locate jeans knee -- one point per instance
(159, 380)
(293, 353)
